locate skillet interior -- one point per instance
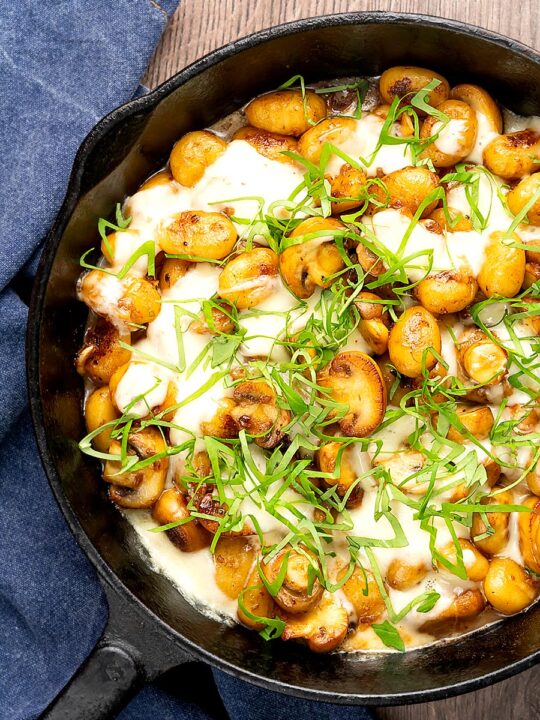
(123, 149)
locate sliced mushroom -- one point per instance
(146, 484)
(257, 412)
(312, 263)
(403, 468)
(301, 589)
(323, 628)
(354, 379)
(172, 507)
(483, 361)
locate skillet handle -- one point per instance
(133, 650)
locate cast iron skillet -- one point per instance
(151, 626)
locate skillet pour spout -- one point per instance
(152, 626)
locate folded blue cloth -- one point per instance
(63, 65)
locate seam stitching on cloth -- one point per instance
(158, 7)
(66, 99)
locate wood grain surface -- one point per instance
(200, 26)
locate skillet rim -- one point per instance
(118, 115)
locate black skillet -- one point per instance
(151, 626)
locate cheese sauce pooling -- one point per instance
(246, 184)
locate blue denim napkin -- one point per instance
(63, 65)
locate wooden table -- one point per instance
(200, 26)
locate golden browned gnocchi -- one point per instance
(311, 362)
(514, 155)
(192, 154)
(286, 112)
(455, 140)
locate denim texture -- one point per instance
(63, 65)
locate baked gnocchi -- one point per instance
(311, 362)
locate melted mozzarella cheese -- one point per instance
(450, 137)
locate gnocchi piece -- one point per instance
(249, 278)
(141, 302)
(404, 81)
(286, 112)
(503, 270)
(269, 144)
(410, 341)
(311, 263)
(100, 409)
(171, 271)
(514, 155)
(355, 380)
(476, 565)
(257, 601)
(363, 593)
(220, 321)
(333, 130)
(408, 188)
(477, 420)
(446, 292)
(464, 607)
(206, 235)
(522, 194)
(163, 177)
(301, 589)
(233, 559)
(332, 456)
(481, 102)
(508, 587)
(403, 575)
(532, 276)
(454, 141)
(171, 507)
(192, 154)
(529, 533)
(451, 220)
(348, 189)
(496, 536)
